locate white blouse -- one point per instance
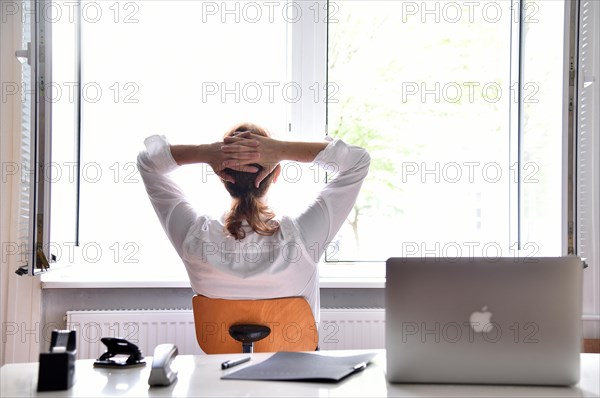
(281, 265)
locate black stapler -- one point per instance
(117, 349)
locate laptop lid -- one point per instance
(478, 320)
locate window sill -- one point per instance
(332, 276)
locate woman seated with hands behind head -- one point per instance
(285, 250)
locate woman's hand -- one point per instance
(246, 148)
(238, 158)
(242, 150)
(215, 157)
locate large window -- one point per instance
(186, 69)
(459, 103)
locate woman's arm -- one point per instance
(190, 154)
(174, 212)
(301, 151)
(268, 152)
(348, 166)
(215, 157)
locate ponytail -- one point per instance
(247, 205)
(259, 216)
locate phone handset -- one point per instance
(162, 374)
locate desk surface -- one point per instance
(200, 375)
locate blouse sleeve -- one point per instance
(348, 166)
(175, 213)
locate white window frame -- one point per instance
(36, 141)
(308, 67)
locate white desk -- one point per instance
(200, 376)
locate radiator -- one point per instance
(339, 329)
(352, 328)
(144, 328)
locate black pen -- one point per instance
(232, 363)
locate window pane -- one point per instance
(426, 87)
(166, 67)
(543, 126)
(64, 98)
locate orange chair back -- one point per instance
(291, 320)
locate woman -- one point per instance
(249, 253)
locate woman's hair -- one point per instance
(247, 204)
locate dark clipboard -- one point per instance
(299, 366)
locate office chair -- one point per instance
(264, 325)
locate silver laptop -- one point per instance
(472, 320)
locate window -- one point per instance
(65, 170)
(26, 197)
(32, 226)
(186, 69)
(460, 104)
(544, 122)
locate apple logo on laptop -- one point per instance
(480, 320)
